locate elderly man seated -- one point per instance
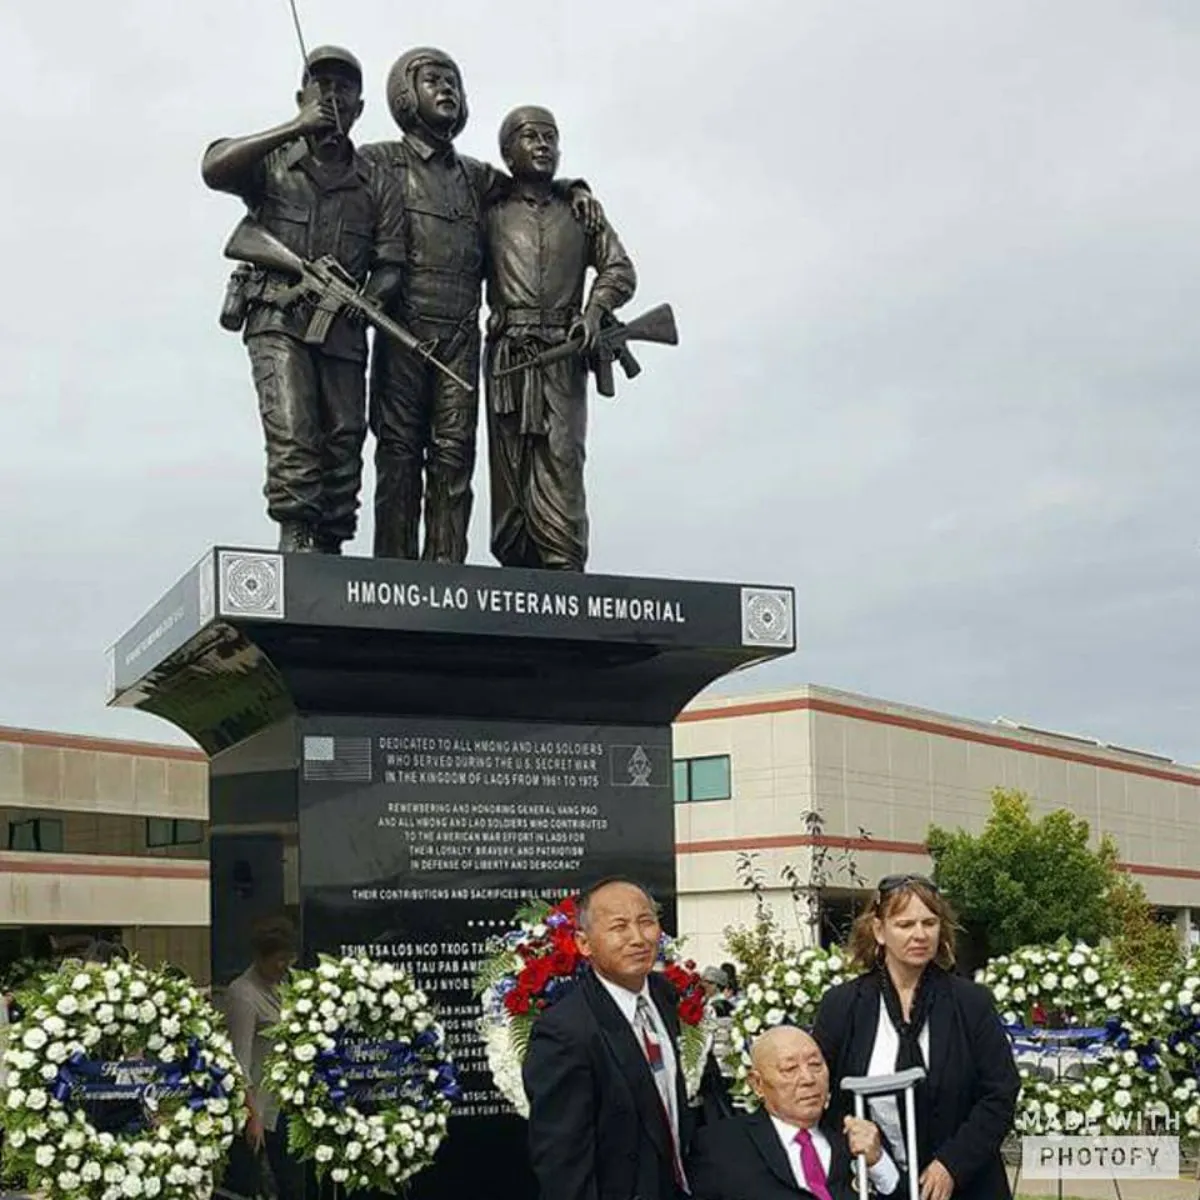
(786, 1149)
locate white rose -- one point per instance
(323, 1154)
(55, 1026)
(305, 1053)
(68, 1181)
(49, 1071)
(153, 1186)
(339, 1174)
(57, 1052)
(36, 1100)
(34, 1039)
(316, 1118)
(354, 1151)
(147, 1013)
(43, 1156)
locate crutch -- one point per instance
(863, 1086)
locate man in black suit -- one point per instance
(785, 1148)
(608, 1107)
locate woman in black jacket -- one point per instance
(907, 1010)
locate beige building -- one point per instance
(111, 837)
(105, 838)
(748, 770)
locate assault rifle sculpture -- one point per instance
(654, 325)
(328, 286)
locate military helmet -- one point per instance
(402, 87)
(334, 54)
(527, 114)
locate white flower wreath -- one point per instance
(1179, 1010)
(138, 1051)
(1086, 1041)
(787, 994)
(360, 1066)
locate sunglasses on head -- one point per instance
(893, 883)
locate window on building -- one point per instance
(168, 831)
(702, 778)
(38, 833)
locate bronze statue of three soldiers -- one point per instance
(403, 236)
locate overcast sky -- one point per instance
(937, 272)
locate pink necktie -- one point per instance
(810, 1163)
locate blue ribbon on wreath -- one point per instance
(1086, 1041)
(85, 1077)
(401, 1063)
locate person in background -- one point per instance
(716, 983)
(251, 1007)
(731, 987)
(907, 1010)
(788, 1147)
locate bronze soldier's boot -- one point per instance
(295, 537)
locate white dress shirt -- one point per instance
(883, 1174)
(626, 1001)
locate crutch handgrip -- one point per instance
(861, 1086)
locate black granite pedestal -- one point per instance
(401, 753)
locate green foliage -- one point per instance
(503, 962)
(520, 1030)
(1148, 949)
(1025, 881)
(757, 947)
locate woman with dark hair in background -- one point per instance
(906, 1010)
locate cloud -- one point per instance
(935, 265)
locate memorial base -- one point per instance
(401, 754)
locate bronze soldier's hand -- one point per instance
(586, 327)
(588, 211)
(317, 112)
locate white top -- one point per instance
(883, 1174)
(251, 1007)
(885, 1110)
(626, 1001)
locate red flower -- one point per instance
(691, 1010)
(563, 960)
(517, 1002)
(536, 975)
(678, 977)
(569, 909)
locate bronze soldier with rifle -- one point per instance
(305, 184)
(542, 338)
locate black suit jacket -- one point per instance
(743, 1159)
(596, 1130)
(970, 1093)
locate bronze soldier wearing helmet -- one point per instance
(425, 425)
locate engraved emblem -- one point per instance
(251, 584)
(766, 617)
(640, 768)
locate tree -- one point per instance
(1143, 943)
(1025, 881)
